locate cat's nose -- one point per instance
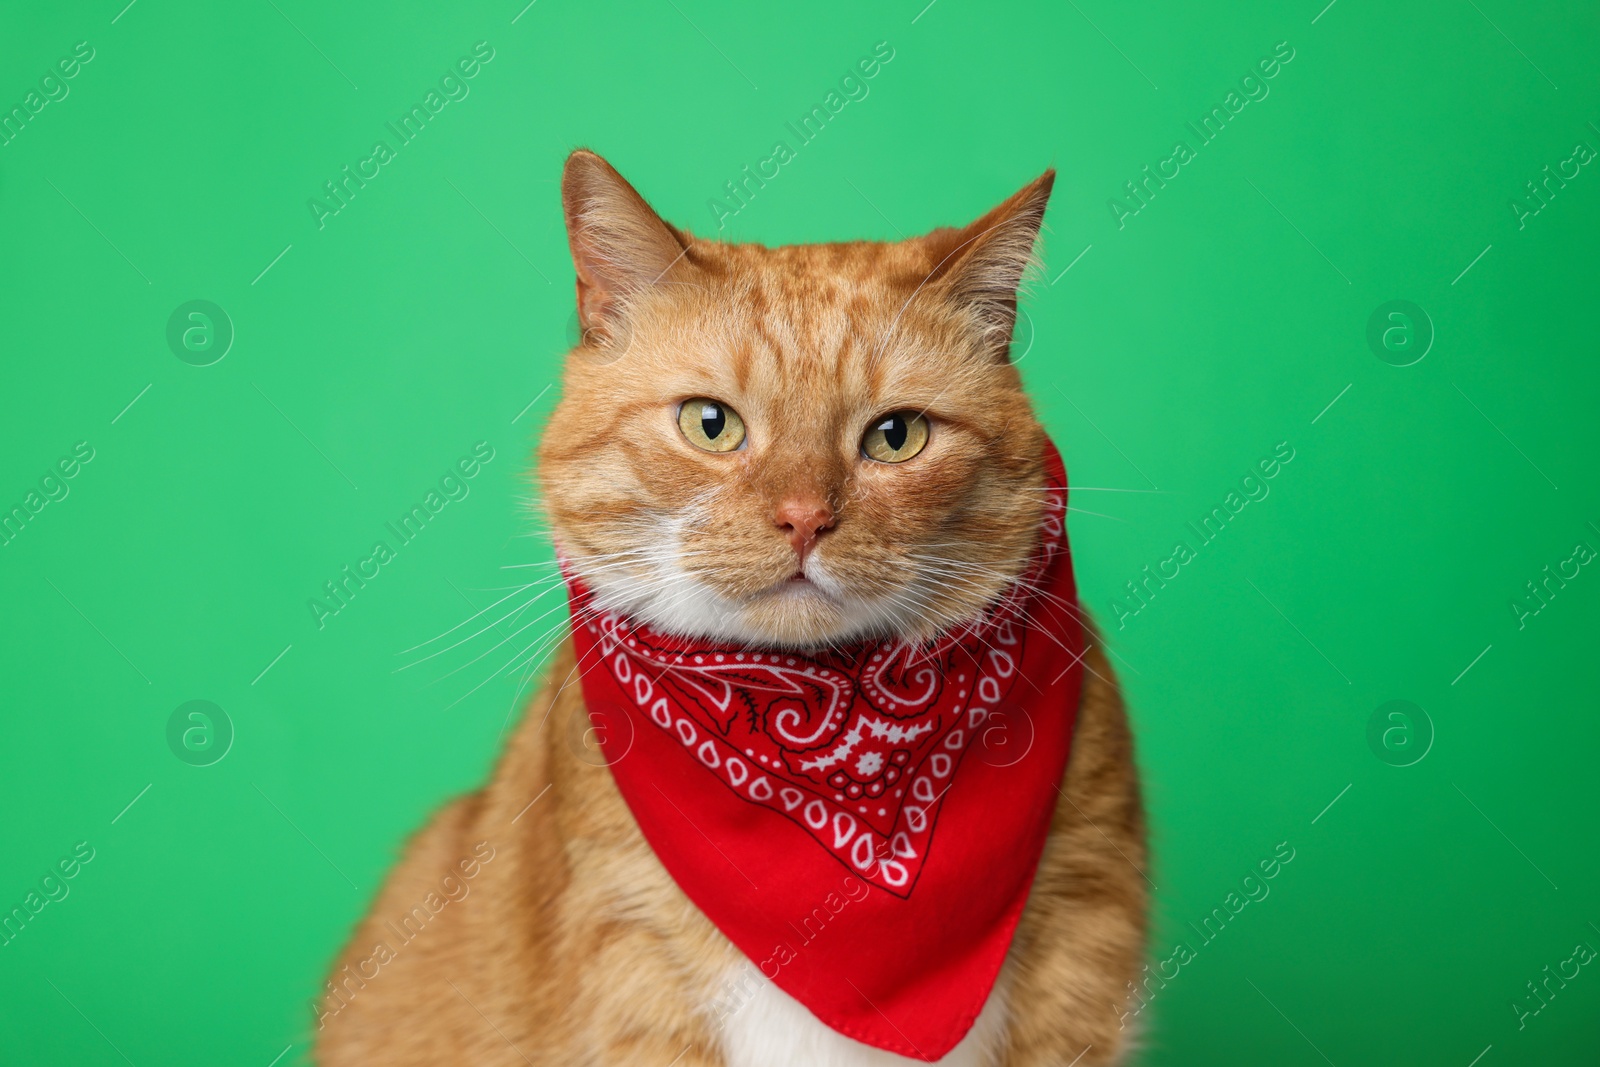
(803, 520)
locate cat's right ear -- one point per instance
(620, 246)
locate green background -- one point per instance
(432, 312)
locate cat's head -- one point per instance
(796, 446)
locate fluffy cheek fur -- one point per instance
(688, 541)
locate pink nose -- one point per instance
(803, 520)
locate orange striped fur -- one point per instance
(571, 945)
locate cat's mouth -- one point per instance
(801, 584)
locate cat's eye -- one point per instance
(711, 424)
(895, 437)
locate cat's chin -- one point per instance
(796, 615)
(800, 612)
(803, 613)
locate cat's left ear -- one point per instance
(981, 265)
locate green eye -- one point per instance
(711, 424)
(896, 437)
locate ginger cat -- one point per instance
(531, 922)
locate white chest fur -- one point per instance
(762, 1026)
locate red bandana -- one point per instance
(796, 798)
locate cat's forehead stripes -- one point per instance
(788, 313)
